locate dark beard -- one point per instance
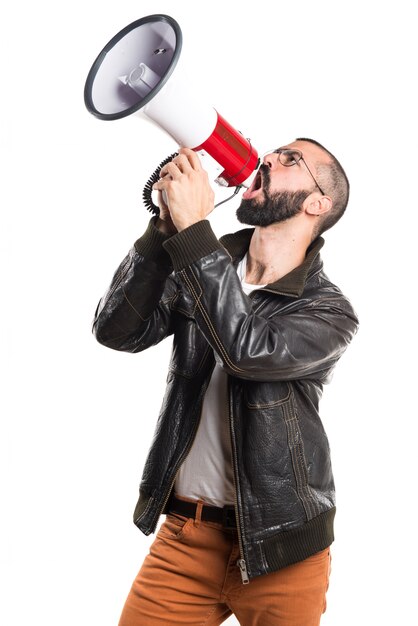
(271, 208)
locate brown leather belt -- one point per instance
(222, 515)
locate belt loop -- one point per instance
(198, 514)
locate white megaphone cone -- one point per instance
(134, 73)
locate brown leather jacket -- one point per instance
(279, 346)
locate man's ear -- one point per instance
(317, 205)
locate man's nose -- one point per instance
(271, 160)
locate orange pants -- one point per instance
(190, 577)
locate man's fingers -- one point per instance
(192, 158)
(184, 163)
(172, 170)
(161, 185)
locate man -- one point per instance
(240, 461)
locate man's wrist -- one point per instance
(191, 244)
(150, 244)
(165, 228)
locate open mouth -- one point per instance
(255, 187)
(258, 181)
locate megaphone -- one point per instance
(135, 73)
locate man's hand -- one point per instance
(186, 185)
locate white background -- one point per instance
(79, 417)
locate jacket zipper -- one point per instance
(241, 563)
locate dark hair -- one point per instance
(333, 179)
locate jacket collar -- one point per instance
(293, 283)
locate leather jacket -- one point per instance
(278, 346)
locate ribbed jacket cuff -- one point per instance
(191, 244)
(150, 245)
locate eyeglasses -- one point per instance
(289, 157)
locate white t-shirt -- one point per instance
(207, 473)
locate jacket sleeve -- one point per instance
(304, 343)
(134, 313)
